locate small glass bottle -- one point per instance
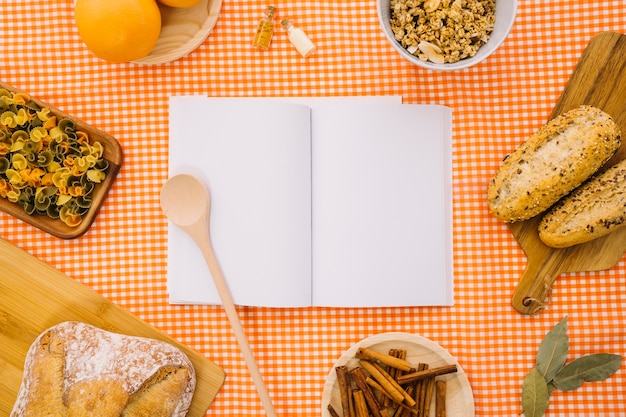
(265, 30)
(298, 38)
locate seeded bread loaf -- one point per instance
(557, 158)
(74, 369)
(592, 210)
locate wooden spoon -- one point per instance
(186, 202)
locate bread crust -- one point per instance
(156, 396)
(100, 397)
(557, 158)
(74, 369)
(44, 390)
(593, 210)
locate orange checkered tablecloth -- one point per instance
(496, 105)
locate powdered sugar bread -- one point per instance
(75, 369)
(557, 158)
(592, 210)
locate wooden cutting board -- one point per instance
(34, 297)
(599, 80)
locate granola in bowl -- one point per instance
(442, 31)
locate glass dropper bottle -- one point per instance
(265, 29)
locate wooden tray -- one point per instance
(34, 297)
(598, 80)
(112, 153)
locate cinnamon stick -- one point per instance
(387, 401)
(420, 390)
(345, 391)
(407, 398)
(403, 409)
(379, 375)
(375, 385)
(359, 378)
(430, 388)
(372, 355)
(415, 376)
(360, 405)
(379, 388)
(332, 411)
(440, 399)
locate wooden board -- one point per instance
(112, 153)
(598, 80)
(34, 297)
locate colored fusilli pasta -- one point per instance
(47, 166)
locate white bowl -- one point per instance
(505, 16)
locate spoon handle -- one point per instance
(233, 318)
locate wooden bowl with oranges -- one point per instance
(145, 32)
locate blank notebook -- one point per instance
(346, 203)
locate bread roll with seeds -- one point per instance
(593, 210)
(557, 158)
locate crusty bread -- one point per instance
(74, 369)
(44, 393)
(95, 397)
(158, 395)
(557, 158)
(592, 210)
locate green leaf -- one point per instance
(552, 352)
(534, 394)
(588, 368)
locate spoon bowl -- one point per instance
(186, 202)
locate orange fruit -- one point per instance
(118, 30)
(179, 3)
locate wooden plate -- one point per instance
(35, 297)
(460, 400)
(112, 153)
(182, 31)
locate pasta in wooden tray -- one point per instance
(54, 169)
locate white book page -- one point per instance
(382, 205)
(255, 159)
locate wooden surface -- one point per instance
(182, 31)
(34, 297)
(112, 153)
(598, 80)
